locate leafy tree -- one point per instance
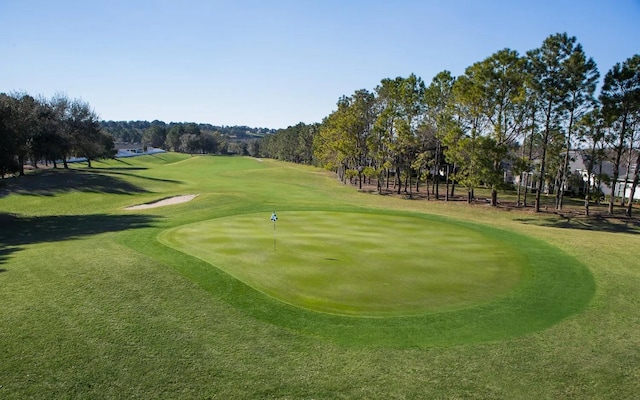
(172, 141)
(530, 134)
(155, 135)
(493, 90)
(61, 106)
(519, 167)
(590, 130)
(22, 126)
(409, 124)
(86, 137)
(620, 98)
(8, 161)
(342, 138)
(190, 143)
(211, 142)
(254, 148)
(383, 142)
(49, 144)
(439, 98)
(462, 139)
(581, 76)
(326, 145)
(547, 81)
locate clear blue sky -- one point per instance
(275, 63)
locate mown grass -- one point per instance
(361, 264)
(94, 306)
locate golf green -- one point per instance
(365, 264)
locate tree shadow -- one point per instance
(17, 231)
(107, 169)
(595, 223)
(117, 171)
(52, 182)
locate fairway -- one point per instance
(364, 264)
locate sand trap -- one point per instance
(164, 202)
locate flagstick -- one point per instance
(274, 218)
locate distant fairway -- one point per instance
(356, 263)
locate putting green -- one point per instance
(362, 264)
(382, 278)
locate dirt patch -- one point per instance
(164, 202)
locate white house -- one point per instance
(578, 165)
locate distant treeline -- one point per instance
(186, 137)
(134, 131)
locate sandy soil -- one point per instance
(164, 202)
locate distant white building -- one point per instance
(133, 150)
(578, 165)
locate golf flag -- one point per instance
(274, 218)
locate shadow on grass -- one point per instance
(54, 181)
(596, 223)
(116, 171)
(107, 169)
(17, 231)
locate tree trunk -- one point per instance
(526, 189)
(566, 163)
(518, 190)
(616, 166)
(388, 175)
(426, 184)
(446, 194)
(587, 193)
(559, 188)
(541, 179)
(543, 160)
(634, 185)
(436, 171)
(626, 177)
(21, 165)
(494, 198)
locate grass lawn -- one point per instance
(353, 295)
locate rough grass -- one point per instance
(93, 306)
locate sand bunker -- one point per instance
(164, 202)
